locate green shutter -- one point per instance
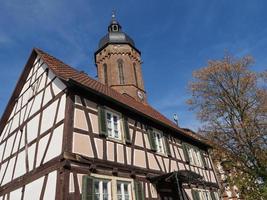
(167, 145)
(195, 195)
(151, 138)
(87, 188)
(139, 190)
(205, 164)
(126, 130)
(185, 149)
(212, 194)
(102, 121)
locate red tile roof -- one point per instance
(68, 73)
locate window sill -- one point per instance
(161, 153)
(115, 140)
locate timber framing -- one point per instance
(67, 119)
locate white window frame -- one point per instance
(195, 156)
(122, 183)
(206, 194)
(100, 185)
(159, 141)
(113, 184)
(112, 134)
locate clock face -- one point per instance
(140, 95)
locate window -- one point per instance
(194, 155)
(101, 189)
(135, 74)
(105, 73)
(113, 125)
(123, 190)
(121, 75)
(205, 195)
(201, 194)
(159, 142)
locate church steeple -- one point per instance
(118, 62)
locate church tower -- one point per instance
(118, 63)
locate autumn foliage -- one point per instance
(231, 101)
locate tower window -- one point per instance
(135, 74)
(115, 28)
(121, 75)
(105, 73)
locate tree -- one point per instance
(231, 101)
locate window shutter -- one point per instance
(195, 195)
(212, 195)
(87, 188)
(151, 138)
(205, 164)
(167, 145)
(102, 121)
(126, 130)
(185, 149)
(139, 191)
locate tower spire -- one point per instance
(113, 15)
(114, 25)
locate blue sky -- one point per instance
(175, 38)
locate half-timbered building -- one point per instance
(64, 135)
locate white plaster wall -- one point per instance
(8, 175)
(20, 113)
(20, 166)
(36, 104)
(9, 145)
(55, 145)
(33, 189)
(16, 194)
(48, 96)
(48, 116)
(50, 190)
(32, 127)
(61, 111)
(58, 86)
(31, 154)
(41, 149)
